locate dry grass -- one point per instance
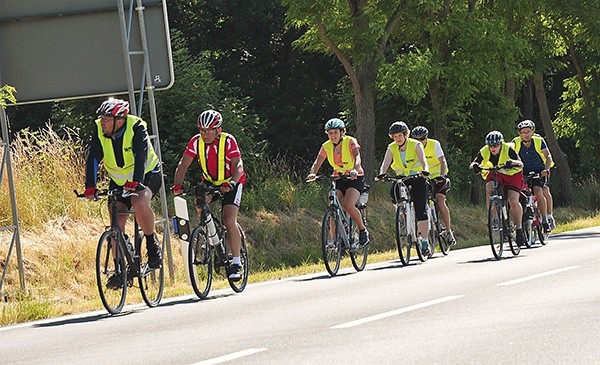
(59, 233)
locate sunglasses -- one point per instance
(494, 145)
(420, 138)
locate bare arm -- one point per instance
(387, 161)
(315, 167)
(421, 157)
(182, 167)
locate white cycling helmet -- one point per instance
(210, 119)
(526, 124)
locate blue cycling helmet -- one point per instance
(334, 123)
(494, 138)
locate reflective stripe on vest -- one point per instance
(347, 158)
(220, 179)
(120, 175)
(537, 144)
(411, 163)
(486, 154)
(435, 167)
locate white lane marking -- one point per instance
(229, 357)
(540, 275)
(396, 312)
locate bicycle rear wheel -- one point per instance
(402, 239)
(111, 268)
(239, 285)
(331, 242)
(495, 226)
(528, 231)
(200, 262)
(512, 235)
(358, 252)
(433, 232)
(152, 281)
(541, 235)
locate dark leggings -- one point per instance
(419, 193)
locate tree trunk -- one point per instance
(509, 89)
(563, 171)
(364, 99)
(440, 119)
(527, 100)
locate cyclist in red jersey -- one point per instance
(221, 163)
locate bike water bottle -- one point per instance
(213, 239)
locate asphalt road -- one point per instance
(541, 307)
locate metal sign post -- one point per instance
(16, 241)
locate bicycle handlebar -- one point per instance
(108, 192)
(386, 177)
(333, 177)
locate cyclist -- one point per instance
(536, 157)
(407, 158)
(120, 141)
(221, 163)
(438, 169)
(343, 154)
(498, 153)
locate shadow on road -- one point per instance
(321, 277)
(575, 235)
(510, 256)
(80, 320)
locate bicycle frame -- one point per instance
(506, 230)
(120, 262)
(343, 220)
(202, 243)
(339, 232)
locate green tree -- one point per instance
(250, 49)
(357, 33)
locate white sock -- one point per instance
(236, 260)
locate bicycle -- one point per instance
(208, 247)
(406, 223)
(437, 228)
(500, 226)
(534, 229)
(123, 261)
(339, 233)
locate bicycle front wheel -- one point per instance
(200, 262)
(331, 242)
(495, 226)
(239, 285)
(111, 273)
(358, 252)
(152, 282)
(402, 239)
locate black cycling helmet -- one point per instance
(494, 138)
(526, 124)
(398, 127)
(419, 132)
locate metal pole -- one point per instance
(154, 120)
(125, 41)
(13, 202)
